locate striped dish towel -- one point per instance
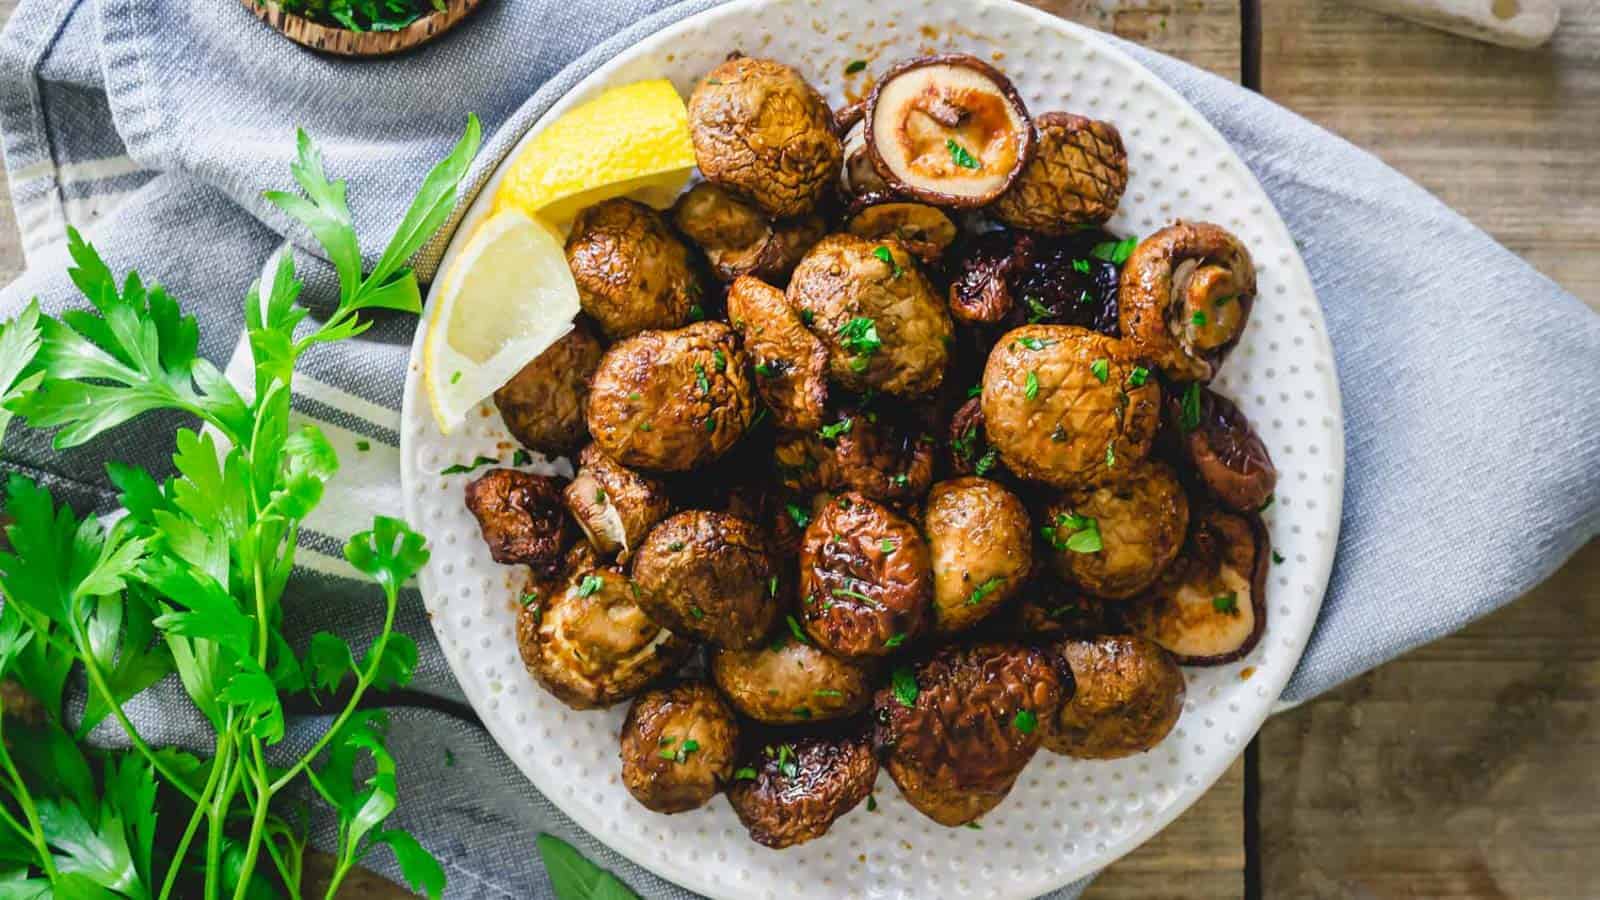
(154, 126)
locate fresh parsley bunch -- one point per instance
(365, 15)
(190, 581)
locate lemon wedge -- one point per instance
(502, 302)
(631, 140)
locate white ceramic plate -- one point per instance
(1065, 818)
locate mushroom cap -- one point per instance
(802, 787)
(738, 238)
(883, 455)
(790, 363)
(980, 541)
(708, 575)
(543, 404)
(613, 504)
(788, 682)
(1129, 693)
(632, 272)
(521, 517)
(950, 130)
(589, 644)
(924, 230)
(1185, 298)
(1210, 607)
(1052, 417)
(885, 328)
(1141, 520)
(671, 400)
(865, 580)
(679, 745)
(760, 130)
(1225, 451)
(1076, 177)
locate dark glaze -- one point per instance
(662, 720)
(898, 584)
(1226, 453)
(832, 774)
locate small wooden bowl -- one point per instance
(343, 42)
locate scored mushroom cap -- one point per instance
(760, 130)
(1185, 297)
(950, 130)
(1077, 176)
(1210, 608)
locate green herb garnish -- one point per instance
(477, 463)
(1189, 413)
(1025, 721)
(1030, 387)
(1115, 252)
(1138, 376)
(960, 156)
(1227, 604)
(904, 686)
(855, 66)
(985, 589)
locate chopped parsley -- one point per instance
(634, 395)
(1115, 252)
(1036, 311)
(1100, 369)
(772, 586)
(455, 377)
(1033, 343)
(696, 313)
(765, 370)
(744, 773)
(901, 480)
(883, 254)
(905, 687)
(645, 426)
(853, 594)
(1025, 721)
(521, 457)
(827, 692)
(1266, 504)
(1111, 454)
(860, 337)
(986, 462)
(1082, 533)
(786, 761)
(984, 590)
(1199, 318)
(794, 629)
(599, 495)
(960, 156)
(1277, 558)
(363, 446)
(895, 640)
(1227, 603)
(675, 546)
(886, 545)
(1189, 417)
(872, 803)
(803, 712)
(1224, 301)
(700, 379)
(974, 826)
(458, 468)
(975, 391)
(696, 611)
(855, 66)
(807, 316)
(1080, 266)
(1030, 388)
(832, 432)
(589, 585)
(681, 754)
(801, 517)
(711, 423)
(530, 598)
(1138, 376)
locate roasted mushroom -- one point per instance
(762, 132)
(881, 455)
(589, 644)
(1067, 406)
(787, 682)
(858, 177)
(790, 792)
(543, 404)
(737, 237)
(614, 505)
(632, 272)
(521, 517)
(708, 575)
(884, 326)
(1224, 450)
(1115, 539)
(970, 453)
(1186, 294)
(1128, 695)
(1049, 607)
(679, 745)
(1076, 178)
(1210, 607)
(948, 130)
(981, 545)
(956, 730)
(924, 230)
(1017, 278)
(790, 363)
(865, 581)
(671, 400)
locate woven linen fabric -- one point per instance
(1470, 397)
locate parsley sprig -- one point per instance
(190, 581)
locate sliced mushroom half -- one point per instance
(1210, 608)
(949, 130)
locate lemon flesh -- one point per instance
(503, 301)
(631, 140)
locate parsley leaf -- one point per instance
(1030, 387)
(904, 685)
(1189, 415)
(1115, 252)
(960, 156)
(576, 878)
(985, 589)
(1025, 721)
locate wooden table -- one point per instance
(1466, 768)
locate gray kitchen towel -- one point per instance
(1470, 392)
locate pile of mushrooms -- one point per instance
(887, 454)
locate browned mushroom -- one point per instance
(738, 239)
(949, 130)
(1115, 539)
(679, 745)
(791, 791)
(1225, 451)
(1210, 607)
(632, 272)
(970, 453)
(543, 404)
(1076, 178)
(790, 363)
(883, 455)
(1186, 295)
(924, 230)
(708, 575)
(981, 546)
(787, 682)
(521, 517)
(760, 130)
(614, 505)
(1128, 695)
(865, 581)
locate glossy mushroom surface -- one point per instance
(1185, 298)
(1210, 607)
(632, 272)
(679, 745)
(543, 404)
(1076, 177)
(709, 575)
(865, 578)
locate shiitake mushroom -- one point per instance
(632, 272)
(520, 517)
(1223, 448)
(1210, 606)
(1127, 697)
(865, 578)
(543, 404)
(948, 130)
(1076, 177)
(790, 364)
(1115, 539)
(613, 504)
(980, 542)
(710, 576)
(924, 230)
(883, 455)
(788, 682)
(738, 238)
